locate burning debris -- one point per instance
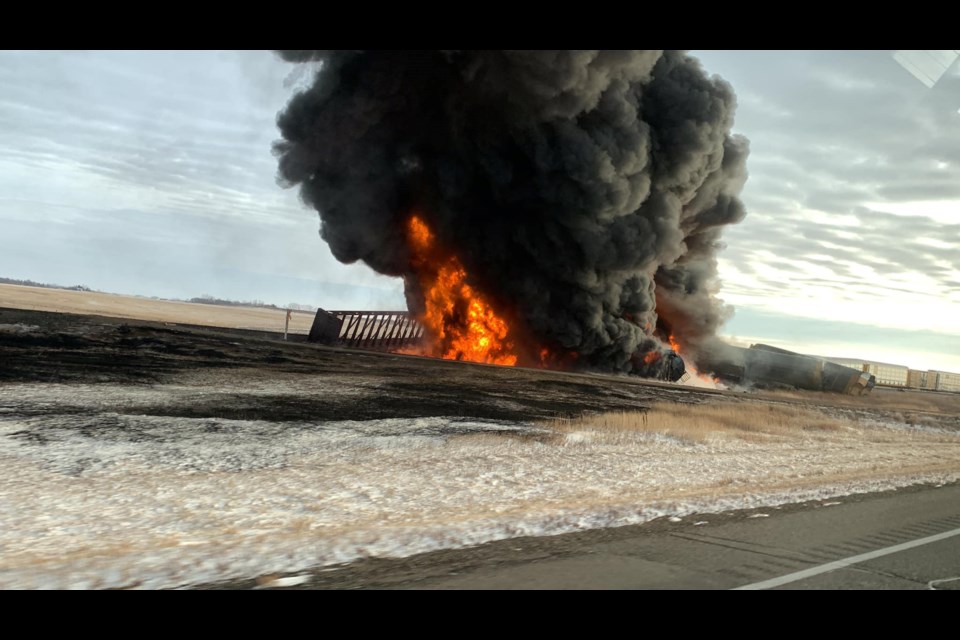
(544, 208)
(461, 323)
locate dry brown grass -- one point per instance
(702, 422)
(121, 306)
(880, 398)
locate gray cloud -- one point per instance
(832, 132)
(858, 127)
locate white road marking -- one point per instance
(932, 585)
(846, 562)
(291, 581)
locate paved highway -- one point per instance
(907, 539)
(904, 540)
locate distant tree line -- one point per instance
(45, 285)
(208, 299)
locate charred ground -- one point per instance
(73, 349)
(82, 350)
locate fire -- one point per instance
(674, 344)
(419, 235)
(712, 382)
(651, 357)
(458, 318)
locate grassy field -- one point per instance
(136, 308)
(904, 400)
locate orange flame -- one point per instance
(461, 322)
(708, 379)
(674, 344)
(651, 357)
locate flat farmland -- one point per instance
(138, 308)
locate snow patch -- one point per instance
(91, 498)
(18, 328)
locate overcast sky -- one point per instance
(151, 173)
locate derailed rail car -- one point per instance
(763, 365)
(839, 378)
(376, 330)
(669, 366)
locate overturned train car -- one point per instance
(376, 330)
(765, 366)
(392, 330)
(668, 366)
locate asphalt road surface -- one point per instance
(906, 539)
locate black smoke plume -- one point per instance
(584, 191)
